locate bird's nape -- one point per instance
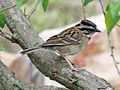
(88, 23)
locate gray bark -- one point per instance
(46, 61)
(8, 82)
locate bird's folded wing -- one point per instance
(67, 37)
(59, 42)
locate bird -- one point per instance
(70, 41)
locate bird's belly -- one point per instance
(70, 49)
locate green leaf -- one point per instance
(21, 2)
(44, 4)
(112, 15)
(2, 20)
(86, 2)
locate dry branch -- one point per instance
(8, 82)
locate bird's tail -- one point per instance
(29, 50)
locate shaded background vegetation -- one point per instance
(61, 13)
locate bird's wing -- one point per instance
(69, 36)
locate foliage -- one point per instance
(86, 2)
(59, 13)
(21, 2)
(112, 15)
(44, 4)
(2, 19)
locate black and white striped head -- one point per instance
(88, 28)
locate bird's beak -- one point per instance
(97, 30)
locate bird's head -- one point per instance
(88, 28)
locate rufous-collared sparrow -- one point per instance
(70, 41)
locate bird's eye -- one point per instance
(88, 30)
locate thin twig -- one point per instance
(34, 8)
(7, 8)
(83, 8)
(102, 7)
(118, 25)
(112, 53)
(3, 34)
(110, 44)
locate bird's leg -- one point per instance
(72, 67)
(67, 60)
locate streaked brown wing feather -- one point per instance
(70, 36)
(53, 41)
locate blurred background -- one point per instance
(61, 14)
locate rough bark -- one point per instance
(46, 61)
(8, 82)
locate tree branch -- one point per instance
(8, 82)
(118, 25)
(46, 61)
(3, 34)
(8, 8)
(34, 8)
(83, 8)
